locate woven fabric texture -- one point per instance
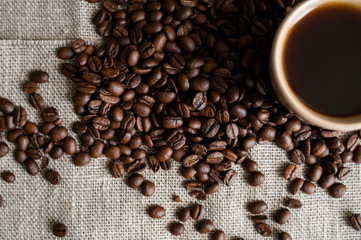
(96, 206)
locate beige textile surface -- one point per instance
(96, 206)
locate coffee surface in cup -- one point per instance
(322, 59)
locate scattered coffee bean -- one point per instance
(197, 212)
(256, 178)
(205, 226)
(284, 236)
(116, 169)
(290, 172)
(257, 207)
(8, 177)
(148, 188)
(259, 219)
(293, 203)
(156, 212)
(308, 187)
(135, 180)
(39, 76)
(60, 230)
(296, 185)
(4, 149)
(219, 235)
(264, 229)
(356, 222)
(177, 229)
(282, 216)
(32, 167)
(337, 190)
(184, 214)
(52, 177)
(81, 159)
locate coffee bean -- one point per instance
(297, 157)
(296, 185)
(59, 133)
(184, 214)
(81, 159)
(219, 235)
(344, 173)
(337, 190)
(60, 230)
(8, 177)
(215, 158)
(212, 188)
(52, 177)
(177, 229)
(148, 188)
(256, 178)
(282, 216)
(164, 153)
(308, 187)
(4, 148)
(250, 165)
(49, 114)
(352, 142)
(39, 76)
(315, 173)
(30, 87)
(65, 53)
(197, 212)
(20, 156)
(257, 207)
(284, 236)
(230, 177)
(355, 220)
(156, 212)
(264, 229)
(290, 172)
(205, 226)
(32, 167)
(20, 116)
(326, 181)
(199, 195)
(116, 169)
(6, 106)
(293, 203)
(259, 219)
(135, 180)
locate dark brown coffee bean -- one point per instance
(248, 143)
(32, 167)
(293, 203)
(6, 106)
(148, 188)
(156, 212)
(199, 101)
(49, 114)
(177, 229)
(259, 219)
(116, 169)
(352, 142)
(164, 153)
(329, 167)
(212, 188)
(256, 178)
(337, 190)
(30, 87)
(52, 177)
(355, 220)
(81, 159)
(282, 216)
(296, 185)
(20, 156)
(297, 157)
(39, 76)
(13, 135)
(290, 172)
(315, 173)
(344, 173)
(308, 187)
(205, 226)
(184, 214)
(284, 140)
(33, 153)
(56, 152)
(23, 144)
(199, 195)
(357, 155)
(20, 116)
(264, 229)
(215, 158)
(65, 53)
(4, 148)
(190, 160)
(197, 212)
(230, 177)
(250, 165)
(284, 236)
(257, 207)
(59, 133)
(8, 177)
(326, 181)
(60, 230)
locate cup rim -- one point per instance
(279, 81)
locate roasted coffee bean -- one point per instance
(184, 214)
(315, 173)
(219, 235)
(148, 188)
(205, 226)
(156, 212)
(52, 177)
(190, 160)
(23, 144)
(344, 173)
(81, 159)
(296, 185)
(257, 207)
(56, 152)
(59, 133)
(214, 158)
(32, 167)
(308, 187)
(8, 177)
(355, 220)
(6, 106)
(135, 180)
(197, 212)
(30, 87)
(259, 219)
(256, 178)
(177, 229)
(137, 166)
(39, 76)
(164, 153)
(13, 135)
(282, 216)
(49, 114)
(297, 157)
(293, 203)
(20, 116)
(65, 53)
(212, 188)
(96, 150)
(264, 229)
(4, 148)
(69, 145)
(337, 190)
(116, 169)
(199, 195)
(284, 140)
(250, 165)
(33, 153)
(20, 156)
(60, 230)
(284, 236)
(326, 181)
(230, 177)
(352, 142)
(290, 172)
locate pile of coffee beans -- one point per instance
(183, 81)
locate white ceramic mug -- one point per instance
(278, 77)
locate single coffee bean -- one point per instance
(215, 158)
(59, 133)
(284, 236)
(164, 153)
(13, 135)
(4, 148)
(177, 229)
(135, 180)
(308, 187)
(49, 114)
(184, 214)
(20, 116)
(356, 222)
(69, 145)
(30, 87)
(197, 212)
(39, 76)
(250, 165)
(116, 169)
(212, 188)
(190, 160)
(326, 181)
(199, 195)
(205, 226)
(230, 177)
(282, 216)
(112, 152)
(256, 178)
(259, 219)
(315, 173)
(297, 157)
(65, 53)
(296, 185)
(60, 230)
(52, 177)
(290, 172)
(56, 152)
(8, 177)
(344, 173)
(248, 143)
(264, 229)
(156, 212)
(219, 235)
(257, 207)
(337, 190)
(148, 188)
(293, 203)
(6, 106)
(357, 155)
(32, 167)
(20, 156)
(81, 159)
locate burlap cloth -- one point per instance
(96, 206)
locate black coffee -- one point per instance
(322, 59)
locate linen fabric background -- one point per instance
(96, 206)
